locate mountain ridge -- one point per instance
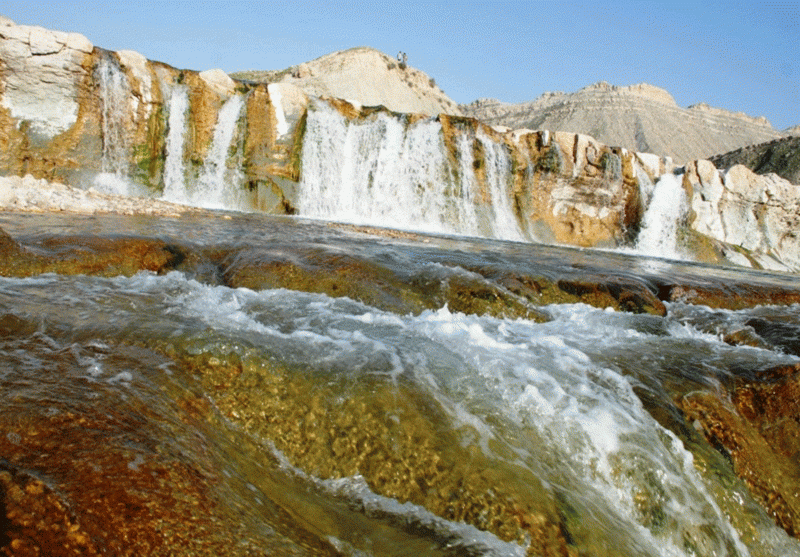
(640, 117)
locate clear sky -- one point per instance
(738, 56)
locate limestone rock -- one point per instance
(758, 213)
(219, 82)
(40, 75)
(638, 117)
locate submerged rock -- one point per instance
(392, 434)
(758, 429)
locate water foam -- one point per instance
(600, 449)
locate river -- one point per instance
(297, 387)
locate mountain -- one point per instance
(367, 77)
(641, 118)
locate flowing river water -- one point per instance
(293, 387)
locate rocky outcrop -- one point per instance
(780, 156)
(367, 77)
(756, 213)
(638, 117)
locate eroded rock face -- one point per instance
(365, 76)
(71, 113)
(780, 156)
(739, 207)
(42, 73)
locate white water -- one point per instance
(384, 172)
(659, 234)
(218, 185)
(553, 393)
(174, 170)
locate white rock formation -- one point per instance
(367, 77)
(758, 213)
(39, 75)
(36, 196)
(219, 82)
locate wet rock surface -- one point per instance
(758, 430)
(88, 470)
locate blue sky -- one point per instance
(738, 56)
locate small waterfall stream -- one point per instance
(218, 185)
(174, 169)
(659, 234)
(115, 93)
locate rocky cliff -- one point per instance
(638, 117)
(779, 156)
(87, 117)
(365, 76)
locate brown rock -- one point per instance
(392, 434)
(759, 431)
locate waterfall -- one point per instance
(217, 186)
(659, 234)
(174, 172)
(376, 172)
(383, 171)
(468, 190)
(498, 174)
(115, 93)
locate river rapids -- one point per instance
(278, 386)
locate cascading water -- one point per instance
(218, 185)
(468, 187)
(580, 405)
(115, 94)
(174, 169)
(659, 234)
(498, 174)
(375, 172)
(385, 172)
